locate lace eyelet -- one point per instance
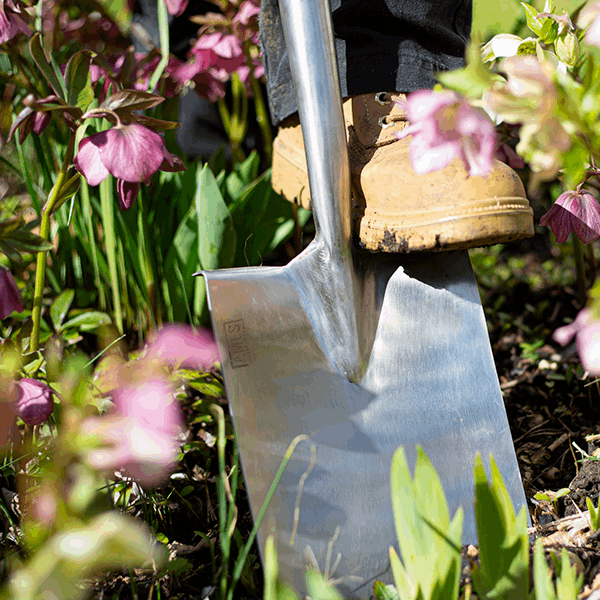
(380, 98)
(385, 122)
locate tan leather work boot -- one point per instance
(396, 210)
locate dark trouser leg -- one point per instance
(382, 45)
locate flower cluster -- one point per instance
(141, 434)
(130, 153)
(226, 41)
(444, 127)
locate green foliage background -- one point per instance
(502, 16)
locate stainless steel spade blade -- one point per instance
(358, 353)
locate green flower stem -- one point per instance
(40, 269)
(580, 270)
(163, 28)
(262, 115)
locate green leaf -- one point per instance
(37, 53)
(131, 100)
(88, 321)
(216, 234)
(60, 307)
(549, 31)
(568, 583)
(542, 580)
(429, 543)
(214, 390)
(503, 540)
(594, 514)
(575, 162)
(319, 588)
(384, 591)
(78, 80)
(471, 81)
(536, 25)
(27, 241)
(68, 190)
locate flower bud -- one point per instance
(35, 401)
(10, 299)
(567, 48)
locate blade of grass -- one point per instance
(239, 565)
(108, 227)
(87, 213)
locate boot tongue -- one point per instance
(376, 117)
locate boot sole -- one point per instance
(482, 223)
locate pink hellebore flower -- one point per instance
(35, 401)
(444, 127)
(587, 331)
(179, 344)
(574, 211)
(130, 153)
(224, 52)
(10, 299)
(10, 21)
(592, 35)
(141, 433)
(176, 7)
(248, 10)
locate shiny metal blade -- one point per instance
(430, 380)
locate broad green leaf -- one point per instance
(405, 586)
(471, 81)
(214, 390)
(60, 307)
(88, 321)
(542, 580)
(319, 588)
(180, 263)
(78, 80)
(536, 25)
(216, 235)
(37, 53)
(23, 240)
(248, 170)
(131, 100)
(575, 162)
(503, 540)
(429, 544)
(568, 583)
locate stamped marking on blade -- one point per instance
(237, 344)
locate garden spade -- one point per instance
(351, 355)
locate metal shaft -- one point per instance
(309, 39)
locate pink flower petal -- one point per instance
(88, 162)
(132, 152)
(176, 7)
(574, 211)
(10, 298)
(128, 192)
(247, 11)
(35, 401)
(588, 347)
(150, 404)
(180, 344)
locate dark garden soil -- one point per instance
(528, 290)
